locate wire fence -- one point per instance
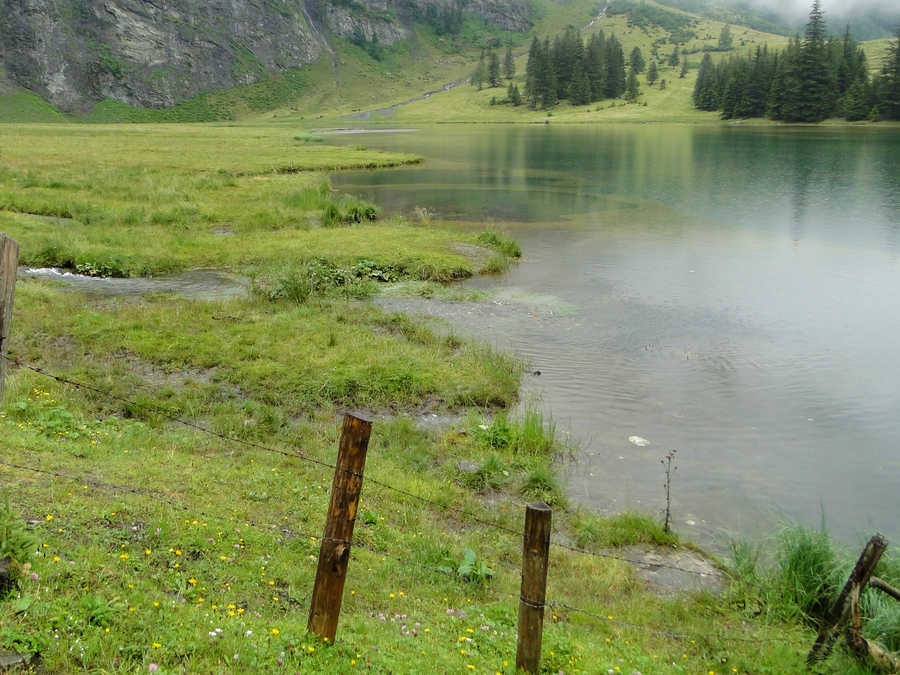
(280, 529)
(298, 455)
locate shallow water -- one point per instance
(198, 284)
(726, 291)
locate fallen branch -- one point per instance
(837, 616)
(867, 652)
(882, 585)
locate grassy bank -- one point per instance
(150, 544)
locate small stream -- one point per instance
(198, 284)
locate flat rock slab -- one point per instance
(669, 570)
(10, 660)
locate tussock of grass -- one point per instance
(625, 529)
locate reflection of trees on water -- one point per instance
(827, 184)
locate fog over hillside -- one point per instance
(867, 19)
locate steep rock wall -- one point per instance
(155, 53)
(151, 54)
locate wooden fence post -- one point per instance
(334, 555)
(837, 616)
(535, 561)
(9, 259)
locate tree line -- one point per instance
(812, 79)
(570, 68)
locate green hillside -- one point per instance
(360, 81)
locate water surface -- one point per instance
(730, 292)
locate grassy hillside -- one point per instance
(351, 81)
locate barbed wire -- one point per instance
(154, 496)
(367, 480)
(259, 446)
(656, 631)
(356, 543)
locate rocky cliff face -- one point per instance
(155, 53)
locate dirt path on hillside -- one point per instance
(389, 110)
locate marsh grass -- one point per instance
(809, 572)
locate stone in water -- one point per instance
(639, 441)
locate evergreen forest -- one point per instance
(570, 68)
(814, 78)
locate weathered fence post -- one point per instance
(535, 561)
(9, 260)
(334, 554)
(837, 616)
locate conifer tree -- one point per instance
(652, 73)
(725, 39)
(531, 68)
(493, 69)
(674, 57)
(632, 88)
(684, 68)
(595, 65)
(615, 68)
(509, 64)
(512, 93)
(547, 76)
(705, 94)
(636, 60)
(479, 75)
(889, 82)
(785, 83)
(813, 100)
(579, 88)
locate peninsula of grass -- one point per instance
(167, 517)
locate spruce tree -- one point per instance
(632, 88)
(889, 82)
(493, 69)
(636, 60)
(705, 94)
(674, 57)
(579, 88)
(615, 68)
(813, 98)
(652, 73)
(509, 64)
(684, 68)
(531, 70)
(785, 84)
(725, 39)
(512, 93)
(478, 76)
(595, 65)
(547, 76)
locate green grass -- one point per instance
(269, 93)
(245, 198)
(160, 544)
(24, 106)
(625, 529)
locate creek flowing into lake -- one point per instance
(726, 291)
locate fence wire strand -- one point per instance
(367, 479)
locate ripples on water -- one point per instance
(734, 298)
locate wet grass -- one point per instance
(163, 548)
(201, 197)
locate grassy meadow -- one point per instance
(153, 546)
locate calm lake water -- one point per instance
(729, 292)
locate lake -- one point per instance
(727, 291)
